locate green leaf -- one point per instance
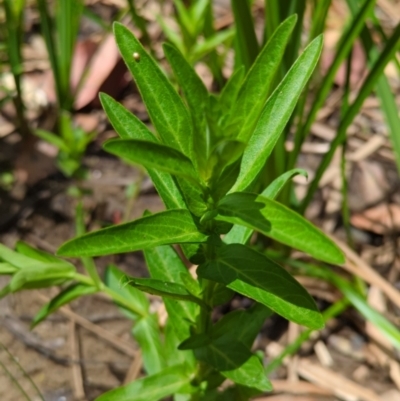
(164, 289)
(256, 87)
(25, 249)
(242, 325)
(151, 388)
(64, 297)
(126, 124)
(254, 275)
(201, 49)
(166, 109)
(240, 234)
(193, 196)
(196, 340)
(225, 181)
(224, 154)
(391, 332)
(6, 268)
(129, 126)
(153, 155)
(246, 40)
(221, 295)
(169, 227)
(235, 361)
(16, 259)
(171, 35)
(39, 276)
(147, 333)
(275, 116)
(52, 139)
(165, 264)
(196, 96)
(239, 325)
(230, 92)
(172, 340)
(115, 279)
(279, 223)
(276, 186)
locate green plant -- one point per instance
(71, 145)
(12, 34)
(198, 38)
(207, 160)
(204, 159)
(60, 33)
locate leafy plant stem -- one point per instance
(334, 310)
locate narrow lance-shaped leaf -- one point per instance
(275, 115)
(165, 264)
(240, 234)
(6, 268)
(201, 49)
(165, 289)
(153, 155)
(40, 276)
(16, 259)
(146, 332)
(230, 91)
(126, 124)
(279, 223)
(64, 297)
(256, 87)
(155, 387)
(129, 126)
(254, 275)
(196, 96)
(169, 227)
(389, 330)
(166, 109)
(242, 325)
(235, 361)
(25, 249)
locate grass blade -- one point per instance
(345, 44)
(371, 80)
(247, 45)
